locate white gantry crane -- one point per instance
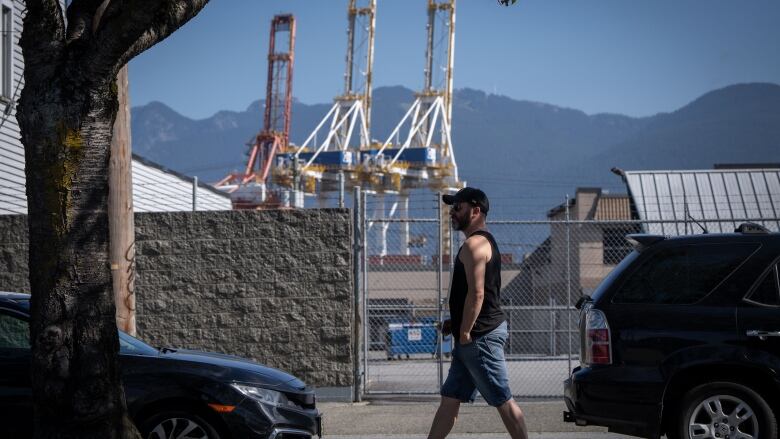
(332, 150)
(418, 153)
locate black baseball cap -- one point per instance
(469, 195)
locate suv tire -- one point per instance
(716, 408)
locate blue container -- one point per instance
(414, 338)
(418, 155)
(331, 158)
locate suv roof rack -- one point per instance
(641, 241)
(751, 228)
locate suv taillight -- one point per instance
(597, 346)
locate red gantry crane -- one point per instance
(249, 190)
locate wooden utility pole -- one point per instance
(120, 211)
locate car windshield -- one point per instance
(127, 343)
(131, 345)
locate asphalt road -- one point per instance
(492, 436)
(405, 419)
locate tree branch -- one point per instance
(44, 29)
(174, 18)
(127, 28)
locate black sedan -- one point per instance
(171, 393)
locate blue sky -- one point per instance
(633, 57)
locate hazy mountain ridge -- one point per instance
(504, 145)
(736, 124)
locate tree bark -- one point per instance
(66, 114)
(75, 371)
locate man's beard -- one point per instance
(461, 223)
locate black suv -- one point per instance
(683, 339)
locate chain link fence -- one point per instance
(546, 267)
(403, 296)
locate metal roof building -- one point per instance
(720, 199)
(155, 189)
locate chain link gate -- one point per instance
(405, 288)
(404, 283)
(546, 267)
(403, 305)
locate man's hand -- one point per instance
(446, 327)
(465, 338)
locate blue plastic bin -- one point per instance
(408, 338)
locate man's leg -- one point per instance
(514, 420)
(487, 366)
(445, 418)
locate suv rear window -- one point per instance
(768, 291)
(682, 275)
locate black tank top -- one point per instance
(491, 315)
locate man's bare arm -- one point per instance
(475, 256)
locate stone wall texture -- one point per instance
(273, 286)
(14, 248)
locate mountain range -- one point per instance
(526, 155)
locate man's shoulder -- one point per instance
(477, 244)
(475, 240)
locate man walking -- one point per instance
(477, 324)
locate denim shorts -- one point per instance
(479, 365)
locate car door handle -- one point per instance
(762, 335)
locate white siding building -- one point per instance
(12, 194)
(155, 189)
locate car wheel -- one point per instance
(177, 425)
(722, 410)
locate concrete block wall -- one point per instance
(273, 286)
(14, 248)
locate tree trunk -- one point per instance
(66, 114)
(75, 368)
